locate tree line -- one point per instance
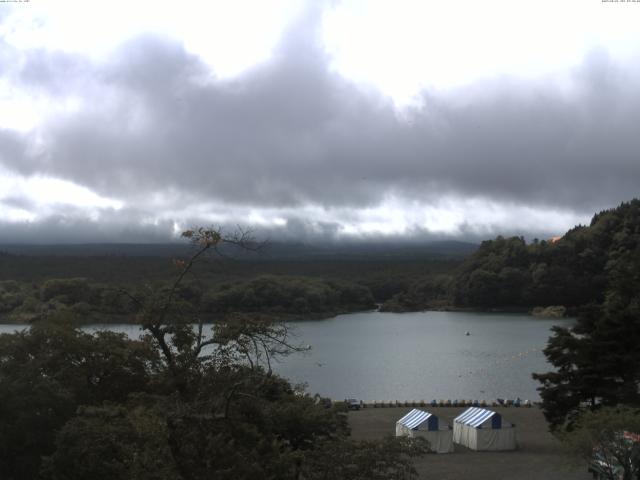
(287, 296)
(574, 270)
(591, 399)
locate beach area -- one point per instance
(539, 455)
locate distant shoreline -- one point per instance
(311, 317)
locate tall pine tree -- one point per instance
(597, 361)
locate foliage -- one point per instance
(597, 361)
(181, 403)
(112, 442)
(279, 294)
(375, 273)
(608, 438)
(302, 297)
(67, 291)
(47, 371)
(429, 292)
(573, 271)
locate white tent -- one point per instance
(480, 429)
(418, 423)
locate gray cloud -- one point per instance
(79, 229)
(154, 123)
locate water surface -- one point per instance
(425, 355)
(414, 356)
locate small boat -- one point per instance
(467, 333)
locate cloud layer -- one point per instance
(296, 149)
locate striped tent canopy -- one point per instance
(418, 423)
(416, 417)
(475, 417)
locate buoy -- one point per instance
(467, 333)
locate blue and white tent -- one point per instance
(481, 429)
(418, 423)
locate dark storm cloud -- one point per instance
(69, 228)
(12, 148)
(19, 202)
(290, 132)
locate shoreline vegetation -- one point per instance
(89, 303)
(552, 278)
(547, 313)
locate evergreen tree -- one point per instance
(597, 361)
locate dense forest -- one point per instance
(34, 282)
(283, 296)
(506, 273)
(591, 397)
(572, 271)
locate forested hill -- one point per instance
(285, 280)
(268, 251)
(574, 270)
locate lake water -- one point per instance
(414, 356)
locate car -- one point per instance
(353, 404)
(600, 469)
(604, 465)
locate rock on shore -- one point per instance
(553, 311)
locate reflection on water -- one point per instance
(413, 356)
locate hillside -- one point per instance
(287, 280)
(573, 270)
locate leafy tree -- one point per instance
(113, 442)
(182, 403)
(46, 372)
(572, 271)
(608, 438)
(597, 361)
(430, 292)
(67, 291)
(287, 295)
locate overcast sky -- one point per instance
(131, 121)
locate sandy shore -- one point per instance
(539, 456)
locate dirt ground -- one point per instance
(539, 456)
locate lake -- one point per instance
(414, 356)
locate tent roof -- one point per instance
(474, 416)
(414, 418)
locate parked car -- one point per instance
(353, 404)
(605, 467)
(600, 469)
(322, 401)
